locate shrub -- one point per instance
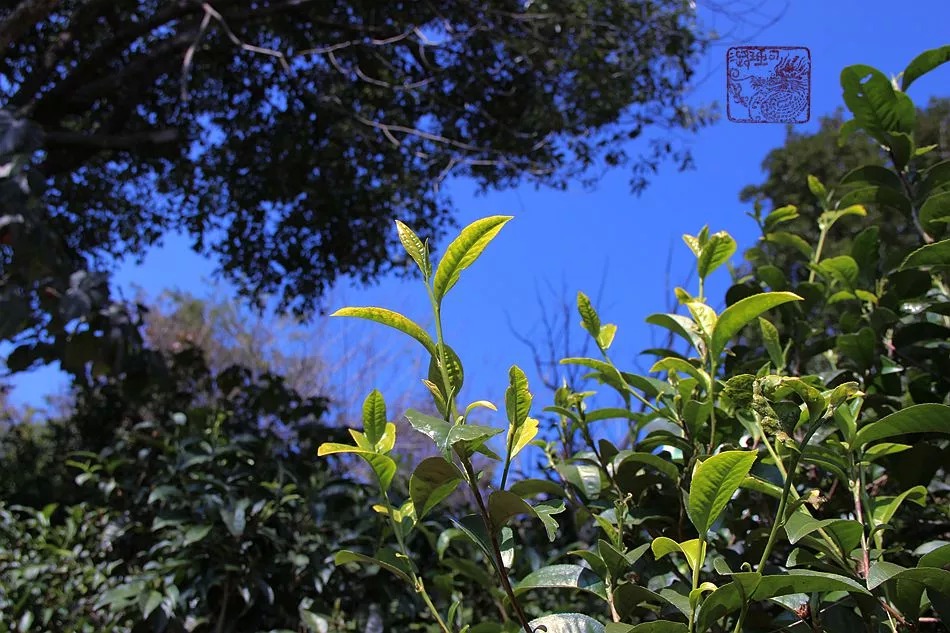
(785, 462)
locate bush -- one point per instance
(786, 461)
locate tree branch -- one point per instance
(25, 15)
(65, 139)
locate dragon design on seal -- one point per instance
(779, 96)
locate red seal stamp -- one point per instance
(768, 84)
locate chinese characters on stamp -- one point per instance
(768, 84)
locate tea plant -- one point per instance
(784, 460)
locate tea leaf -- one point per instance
(739, 314)
(692, 549)
(773, 345)
(517, 397)
(565, 623)
(393, 320)
(923, 64)
(668, 468)
(714, 482)
(545, 512)
(657, 626)
(919, 418)
(847, 532)
(374, 416)
(716, 252)
(589, 319)
(885, 507)
(936, 255)
(463, 251)
(778, 216)
(431, 482)
(679, 325)
(415, 248)
(728, 598)
(386, 558)
(521, 436)
(565, 577)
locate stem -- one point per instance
(224, 607)
(712, 407)
(835, 548)
(497, 562)
(696, 570)
(417, 582)
(818, 249)
(859, 515)
(783, 502)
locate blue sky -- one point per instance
(571, 238)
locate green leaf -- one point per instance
(545, 512)
(714, 482)
(935, 213)
(679, 325)
(783, 214)
(605, 337)
(657, 626)
(517, 397)
(736, 316)
(936, 255)
(869, 194)
(565, 623)
(715, 252)
(565, 577)
(873, 176)
(195, 533)
(672, 364)
(885, 507)
(880, 109)
(586, 477)
(446, 435)
(790, 240)
(666, 467)
(692, 550)
(773, 345)
(431, 482)
(931, 577)
(374, 417)
(729, 598)
(415, 248)
(817, 188)
(387, 559)
(842, 269)
(393, 320)
(463, 251)
(535, 487)
(313, 622)
(453, 367)
(382, 465)
(151, 603)
(522, 436)
(845, 531)
(923, 64)
(503, 505)
(919, 418)
(235, 517)
(590, 321)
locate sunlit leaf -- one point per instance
(739, 314)
(393, 320)
(714, 482)
(463, 251)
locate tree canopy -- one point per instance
(283, 135)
